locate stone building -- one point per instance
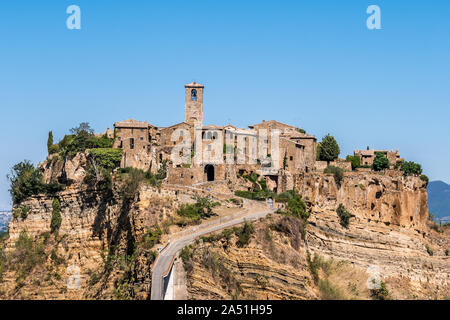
(272, 149)
(367, 156)
(134, 138)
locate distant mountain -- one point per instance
(5, 217)
(439, 200)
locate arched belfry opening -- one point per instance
(210, 174)
(194, 95)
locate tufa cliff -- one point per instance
(108, 237)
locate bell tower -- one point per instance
(193, 103)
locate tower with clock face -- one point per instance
(194, 103)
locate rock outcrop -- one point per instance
(388, 233)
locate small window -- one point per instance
(209, 147)
(131, 143)
(194, 95)
(291, 158)
(141, 138)
(118, 129)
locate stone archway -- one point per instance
(210, 172)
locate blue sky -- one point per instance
(313, 64)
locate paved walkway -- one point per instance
(162, 266)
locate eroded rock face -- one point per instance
(269, 267)
(94, 226)
(68, 171)
(400, 201)
(274, 265)
(387, 233)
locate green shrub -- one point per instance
(355, 160)
(53, 149)
(329, 149)
(244, 234)
(49, 141)
(25, 181)
(24, 212)
(162, 172)
(107, 158)
(132, 179)
(424, 178)
(28, 254)
(381, 293)
(260, 195)
(55, 223)
(410, 168)
(152, 237)
(195, 212)
(337, 172)
(81, 139)
(344, 215)
(295, 205)
(429, 250)
(328, 291)
(380, 162)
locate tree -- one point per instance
(380, 162)
(25, 181)
(56, 216)
(355, 160)
(329, 149)
(319, 147)
(296, 207)
(83, 128)
(411, 168)
(50, 142)
(344, 215)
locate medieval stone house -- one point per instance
(270, 148)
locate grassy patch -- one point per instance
(193, 213)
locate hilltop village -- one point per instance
(219, 212)
(271, 149)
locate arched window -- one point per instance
(194, 95)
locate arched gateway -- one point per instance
(210, 174)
